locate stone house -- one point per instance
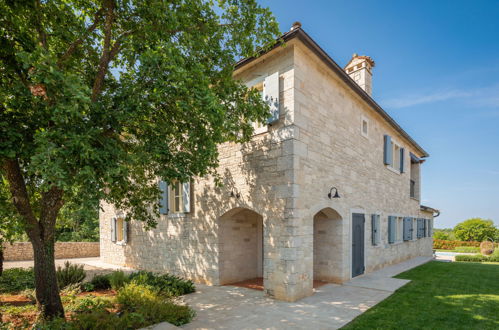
(328, 190)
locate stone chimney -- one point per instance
(360, 70)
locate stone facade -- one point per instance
(283, 227)
(63, 250)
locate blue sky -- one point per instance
(437, 74)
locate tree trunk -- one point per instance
(1, 261)
(47, 289)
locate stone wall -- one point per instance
(261, 171)
(331, 151)
(63, 250)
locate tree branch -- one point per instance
(39, 26)
(17, 187)
(105, 58)
(71, 49)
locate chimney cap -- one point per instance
(296, 25)
(368, 59)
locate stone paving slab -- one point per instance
(331, 307)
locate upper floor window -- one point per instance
(364, 126)
(394, 155)
(175, 197)
(259, 127)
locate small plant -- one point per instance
(154, 308)
(71, 289)
(101, 282)
(118, 279)
(88, 304)
(70, 274)
(87, 287)
(165, 283)
(17, 279)
(30, 294)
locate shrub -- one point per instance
(118, 279)
(101, 282)
(87, 287)
(17, 279)
(154, 308)
(165, 283)
(467, 249)
(70, 274)
(451, 245)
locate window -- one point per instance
(119, 229)
(259, 127)
(176, 192)
(414, 188)
(393, 154)
(364, 127)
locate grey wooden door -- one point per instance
(358, 222)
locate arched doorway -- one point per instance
(328, 247)
(241, 248)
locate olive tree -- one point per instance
(100, 98)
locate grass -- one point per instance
(440, 296)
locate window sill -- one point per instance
(120, 243)
(414, 199)
(396, 243)
(261, 130)
(391, 169)
(177, 215)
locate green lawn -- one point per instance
(457, 295)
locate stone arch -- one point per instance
(327, 246)
(241, 246)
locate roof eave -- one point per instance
(312, 45)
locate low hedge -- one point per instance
(477, 258)
(451, 245)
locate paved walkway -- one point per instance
(331, 307)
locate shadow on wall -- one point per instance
(190, 245)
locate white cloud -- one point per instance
(485, 96)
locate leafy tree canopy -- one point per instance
(100, 98)
(475, 229)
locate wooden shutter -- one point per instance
(391, 229)
(125, 231)
(186, 197)
(402, 154)
(387, 154)
(113, 230)
(163, 201)
(271, 95)
(374, 229)
(407, 229)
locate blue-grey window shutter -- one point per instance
(125, 231)
(402, 154)
(387, 153)
(113, 230)
(391, 229)
(411, 229)
(186, 197)
(420, 228)
(163, 202)
(407, 229)
(271, 95)
(374, 229)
